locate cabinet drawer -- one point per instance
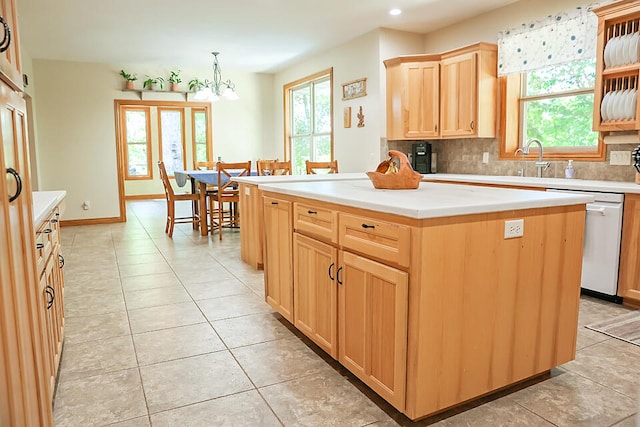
(43, 250)
(317, 222)
(380, 239)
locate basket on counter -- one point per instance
(395, 173)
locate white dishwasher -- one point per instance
(602, 234)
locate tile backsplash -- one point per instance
(465, 156)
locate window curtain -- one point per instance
(564, 37)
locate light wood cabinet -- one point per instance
(251, 244)
(315, 291)
(629, 275)
(10, 65)
(448, 95)
(616, 21)
(278, 272)
(373, 324)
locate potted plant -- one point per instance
(195, 85)
(175, 79)
(153, 83)
(128, 79)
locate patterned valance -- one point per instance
(564, 37)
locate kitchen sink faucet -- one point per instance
(540, 164)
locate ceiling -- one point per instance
(251, 35)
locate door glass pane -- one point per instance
(200, 135)
(137, 155)
(171, 134)
(301, 111)
(322, 107)
(301, 151)
(136, 126)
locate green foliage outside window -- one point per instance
(559, 119)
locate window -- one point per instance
(138, 143)
(308, 123)
(555, 105)
(202, 150)
(171, 123)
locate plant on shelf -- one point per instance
(153, 83)
(175, 79)
(195, 85)
(128, 79)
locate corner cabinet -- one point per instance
(448, 95)
(617, 67)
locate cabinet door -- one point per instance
(251, 235)
(10, 67)
(420, 99)
(315, 293)
(628, 282)
(57, 310)
(373, 325)
(459, 95)
(28, 401)
(278, 266)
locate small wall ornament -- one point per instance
(360, 116)
(354, 89)
(347, 117)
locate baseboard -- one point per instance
(90, 221)
(145, 197)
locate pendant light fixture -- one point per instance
(214, 90)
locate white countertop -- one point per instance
(430, 200)
(301, 178)
(526, 181)
(43, 203)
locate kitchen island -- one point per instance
(420, 293)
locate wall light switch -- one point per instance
(485, 157)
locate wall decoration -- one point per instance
(347, 117)
(354, 89)
(360, 118)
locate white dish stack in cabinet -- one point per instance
(617, 67)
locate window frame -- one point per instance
(182, 137)
(123, 120)
(287, 93)
(209, 135)
(512, 120)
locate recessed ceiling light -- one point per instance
(395, 12)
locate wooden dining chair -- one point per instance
(261, 164)
(277, 168)
(172, 197)
(227, 193)
(204, 165)
(313, 167)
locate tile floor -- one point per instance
(175, 332)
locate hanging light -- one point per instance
(214, 90)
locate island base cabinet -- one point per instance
(278, 272)
(629, 276)
(315, 292)
(251, 235)
(372, 317)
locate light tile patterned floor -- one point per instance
(175, 332)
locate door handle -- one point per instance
(600, 211)
(338, 276)
(16, 176)
(61, 260)
(330, 268)
(52, 295)
(6, 39)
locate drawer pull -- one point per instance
(40, 246)
(330, 268)
(338, 276)
(48, 230)
(52, 295)
(310, 212)
(368, 226)
(54, 221)
(274, 203)
(61, 260)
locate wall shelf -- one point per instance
(142, 92)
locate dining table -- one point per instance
(199, 179)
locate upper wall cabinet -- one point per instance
(10, 66)
(617, 67)
(449, 95)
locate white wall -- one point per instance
(356, 149)
(76, 128)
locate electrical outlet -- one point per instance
(620, 158)
(247, 191)
(485, 157)
(513, 228)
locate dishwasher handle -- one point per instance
(596, 210)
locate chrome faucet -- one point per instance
(540, 164)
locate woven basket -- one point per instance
(402, 179)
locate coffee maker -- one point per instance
(421, 157)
